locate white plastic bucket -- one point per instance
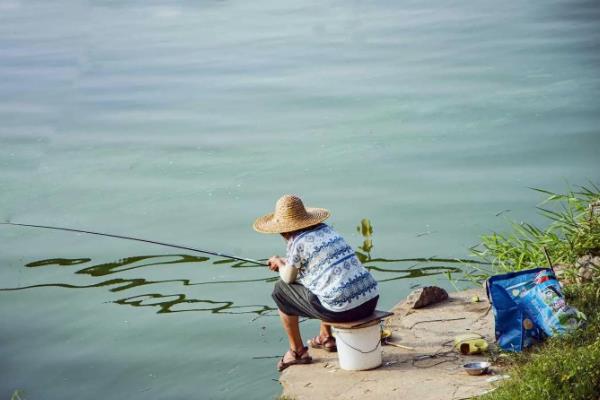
(359, 348)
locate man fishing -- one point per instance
(321, 277)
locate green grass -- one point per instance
(572, 231)
(566, 367)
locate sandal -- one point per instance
(299, 358)
(328, 344)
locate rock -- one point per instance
(583, 260)
(585, 275)
(595, 208)
(587, 267)
(425, 296)
(564, 273)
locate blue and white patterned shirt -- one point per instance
(329, 268)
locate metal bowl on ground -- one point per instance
(477, 368)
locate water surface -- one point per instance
(183, 121)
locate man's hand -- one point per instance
(275, 262)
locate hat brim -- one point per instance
(268, 224)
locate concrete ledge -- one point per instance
(406, 374)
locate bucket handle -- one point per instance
(359, 350)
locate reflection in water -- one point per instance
(170, 303)
(180, 302)
(59, 261)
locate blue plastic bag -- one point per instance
(529, 305)
(514, 327)
(544, 301)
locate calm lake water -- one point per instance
(183, 121)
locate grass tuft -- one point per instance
(573, 231)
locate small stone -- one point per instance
(563, 273)
(583, 261)
(588, 267)
(585, 274)
(425, 296)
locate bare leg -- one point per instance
(325, 340)
(292, 328)
(297, 353)
(325, 331)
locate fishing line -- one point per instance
(212, 253)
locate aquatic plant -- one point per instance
(366, 230)
(16, 395)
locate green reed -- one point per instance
(573, 230)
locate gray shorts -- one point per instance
(295, 299)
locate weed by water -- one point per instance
(573, 230)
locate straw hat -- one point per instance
(290, 215)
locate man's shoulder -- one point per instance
(323, 233)
(316, 231)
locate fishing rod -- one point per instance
(212, 253)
